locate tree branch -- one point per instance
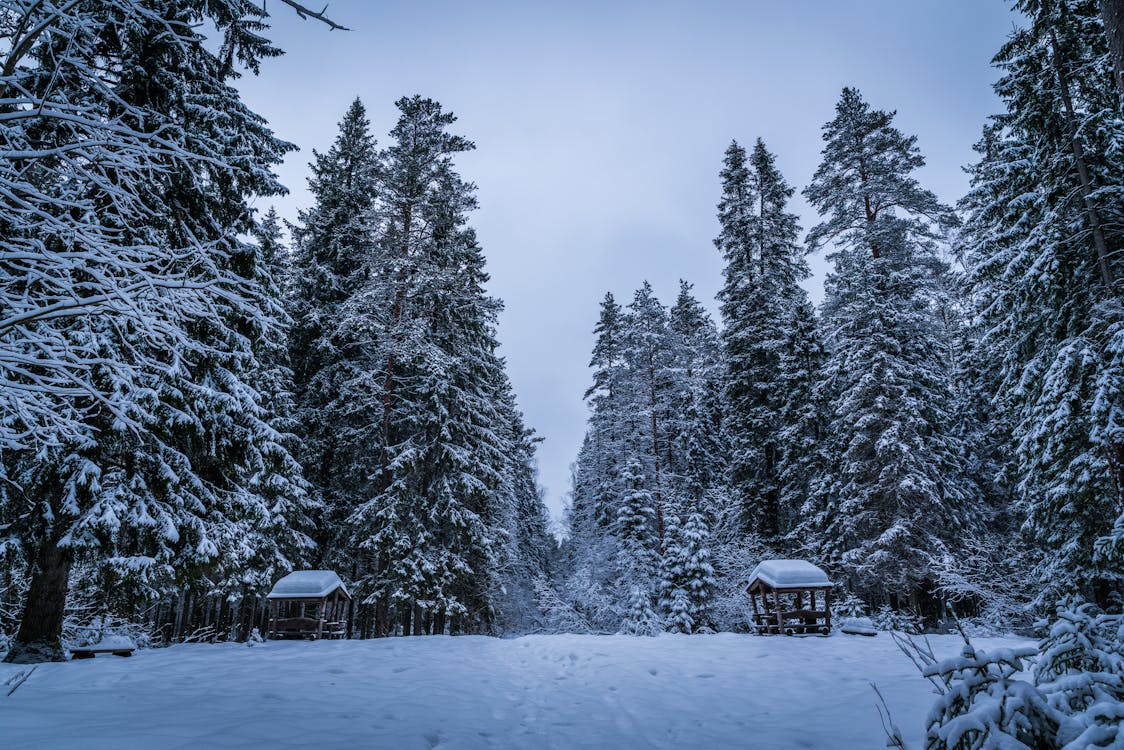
(305, 13)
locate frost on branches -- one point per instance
(133, 315)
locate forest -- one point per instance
(197, 397)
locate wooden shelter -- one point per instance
(309, 604)
(784, 594)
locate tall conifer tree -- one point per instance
(893, 491)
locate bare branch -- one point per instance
(306, 13)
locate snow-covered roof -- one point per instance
(789, 574)
(307, 584)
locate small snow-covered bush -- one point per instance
(849, 605)
(102, 629)
(889, 619)
(734, 555)
(1065, 694)
(559, 615)
(1080, 671)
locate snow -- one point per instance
(790, 574)
(306, 583)
(112, 641)
(474, 692)
(858, 626)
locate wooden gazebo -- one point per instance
(784, 594)
(310, 604)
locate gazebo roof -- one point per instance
(307, 584)
(790, 574)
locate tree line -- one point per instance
(942, 434)
(191, 409)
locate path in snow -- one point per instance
(538, 692)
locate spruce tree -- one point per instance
(635, 530)
(800, 458)
(185, 457)
(435, 522)
(1039, 221)
(647, 353)
(764, 265)
(893, 491)
(687, 576)
(332, 340)
(695, 450)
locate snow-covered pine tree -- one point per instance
(647, 353)
(527, 561)
(894, 485)
(695, 450)
(596, 501)
(655, 401)
(800, 459)
(1040, 215)
(332, 341)
(434, 525)
(588, 578)
(760, 296)
(687, 576)
(641, 618)
(275, 540)
(635, 531)
(160, 496)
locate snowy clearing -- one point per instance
(561, 691)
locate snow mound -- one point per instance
(790, 574)
(306, 584)
(114, 641)
(858, 626)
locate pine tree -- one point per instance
(647, 353)
(800, 459)
(687, 576)
(764, 265)
(635, 530)
(435, 523)
(641, 618)
(695, 450)
(332, 338)
(184, 452)
(274, 540)
(1039, 222)
(894, 486)
(608, 421)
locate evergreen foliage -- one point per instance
(894, 485)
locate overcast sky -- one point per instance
(600, 128)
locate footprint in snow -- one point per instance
(653, 672)
(400, 670)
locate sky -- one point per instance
(600, 129)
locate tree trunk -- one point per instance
(1112, 11)
(40, 634)
(652, 403)
(439, 622)
(1091, 213)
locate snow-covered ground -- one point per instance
(562, 691)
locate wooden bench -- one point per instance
(90, 653)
